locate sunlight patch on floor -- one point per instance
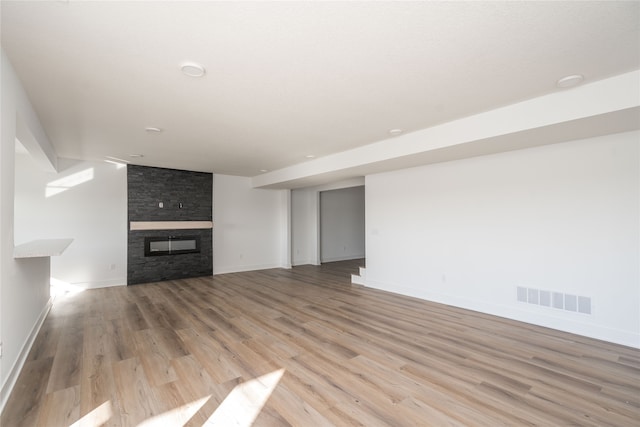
(243, 405)
(240, 408)
(97, 417)
(60, 288)
(176, 417)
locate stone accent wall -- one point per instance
(149, 186)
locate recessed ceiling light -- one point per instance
(570, 81)
(309, 156)
(192, 69)
(395, 131)
(153, 130)
(264, 170)
(136, 155)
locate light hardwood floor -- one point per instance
(318, 350)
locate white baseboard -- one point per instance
(243, 268)
(101, 284)
(343, 258)
(304, 262)
(10, 382)
(520, 313)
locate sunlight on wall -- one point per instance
(63, 184)
(242, 406)
(97, 417)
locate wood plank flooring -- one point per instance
(318, 350)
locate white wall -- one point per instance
(342, 224)
(305, 220)
(305, 227)
(250, 226)
(92, 212)
(561, 217)
(24, 284)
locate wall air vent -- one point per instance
(557, 300)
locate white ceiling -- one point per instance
(288, 79)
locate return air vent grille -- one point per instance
(557, 300)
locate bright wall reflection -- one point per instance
(70, 181)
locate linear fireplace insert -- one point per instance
(171, 245)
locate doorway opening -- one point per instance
(342, 224)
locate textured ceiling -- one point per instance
(288, 79)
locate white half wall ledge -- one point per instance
(41, 248)
(170, 225)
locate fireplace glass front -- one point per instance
(172, 245)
